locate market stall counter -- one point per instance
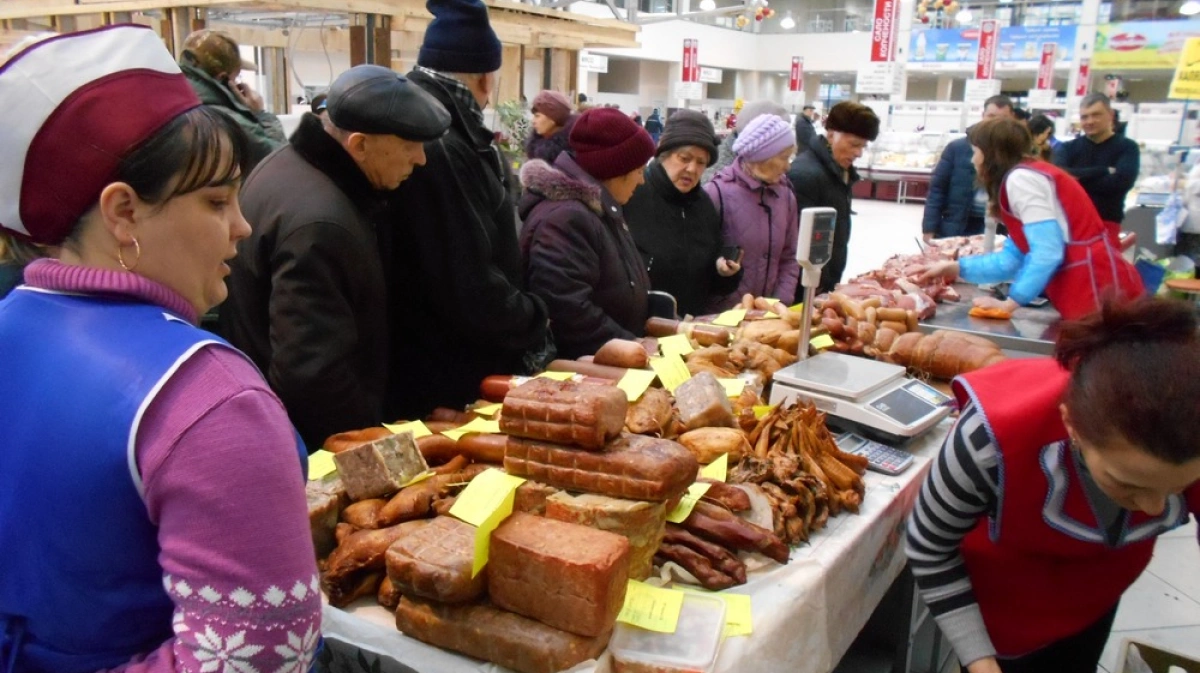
(805, 614)
(1031, 329)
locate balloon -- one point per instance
(758, 17)
(925, 19)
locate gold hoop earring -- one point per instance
(137, 250)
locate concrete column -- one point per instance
(1085, 45)
(903, 35)
(563, 70)
(274, 69)
(945, 87)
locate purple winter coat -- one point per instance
(548, 149)
(764, 221)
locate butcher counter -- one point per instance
(806, 614)
(1032, 330)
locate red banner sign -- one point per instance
(1045, 78)
(691, 60)
(796, 80)
(883, 33)
(989, 33)
(1084, 77)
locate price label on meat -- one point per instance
(671, 371)
(717, 470)
(651, 608)
(485, 503)
(688, 502)
(417, 428)
(733, 387)
(320, 464)
(635, 382)
(489, 410)
(676, 343)
(731, 318)
(477, 425)
(739, 620)
(557, 376)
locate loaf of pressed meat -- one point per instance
(633, 466)
(651, 414)
(564, 412)
(380, 467)
(564, 575)
(703, 403)
(325, 497)
(641, 522)
(486, 632)
(531, 497)
(435, 561)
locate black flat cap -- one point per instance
(374, 99)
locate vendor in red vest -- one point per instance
(1046, 500)
(1057, 244)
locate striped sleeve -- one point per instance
(962, 487)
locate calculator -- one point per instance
(880, 457)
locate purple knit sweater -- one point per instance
(222, 480)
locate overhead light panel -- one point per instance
(965, 16)
(1190, 8)
(708, 5)
(787, 22)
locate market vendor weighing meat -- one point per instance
(1057, 244)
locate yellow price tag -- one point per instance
(557, 376)
(671, 371)
(651, 608)
(417, 428)
(761, 410)
(635, 382)
(738, 618)
(717, 470)
(480, 425)
(676, 343)
(688, 502)
(822, 342)
(320, 464)
(797, 307)
(418, 479)
(489, 410)
(771, 301)
(733, 387)
(485, 503)
(731, 318)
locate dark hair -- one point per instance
(1135, 374)
(200, 148)
(1000, 101)
(1004, 143)
(853, 118)
(1021, 114)
(1038, 125)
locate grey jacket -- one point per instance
(263, 128)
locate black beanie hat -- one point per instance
(460, 38)
(688, 127)
(853, 118)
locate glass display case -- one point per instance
(906, 152)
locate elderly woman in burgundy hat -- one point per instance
(552, 123)
(151, 484)
(579, 255)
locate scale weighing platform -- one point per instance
(873, 398)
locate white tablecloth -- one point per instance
(806, 613)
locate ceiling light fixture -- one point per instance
(1190, 8)
(708, 5)
(787, 22)
(964, 16)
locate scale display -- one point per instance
(909, 403)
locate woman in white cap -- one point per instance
(151, 484)
(758, 211)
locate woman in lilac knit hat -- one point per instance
(758, 210)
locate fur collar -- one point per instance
(556, 183)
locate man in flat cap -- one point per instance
(306, 294)
(212, 63)
(455, 287)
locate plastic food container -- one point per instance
(691, 649)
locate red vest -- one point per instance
(1041, 569)
(1092, 263)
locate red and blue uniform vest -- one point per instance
(1092, 266)
(81, 588)
(1041, 567)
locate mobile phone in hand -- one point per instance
(732, 253)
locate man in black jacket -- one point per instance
(1105, 162)
(306, 293)
(805, 132)
(824, 175)
(456, 303)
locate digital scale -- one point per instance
(875, 398)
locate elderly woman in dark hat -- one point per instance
(552, 122)
(675, 224)
(579, 256)
(151, 484)
(825, 175)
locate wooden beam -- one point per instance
(382, 53)
(358, 45)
